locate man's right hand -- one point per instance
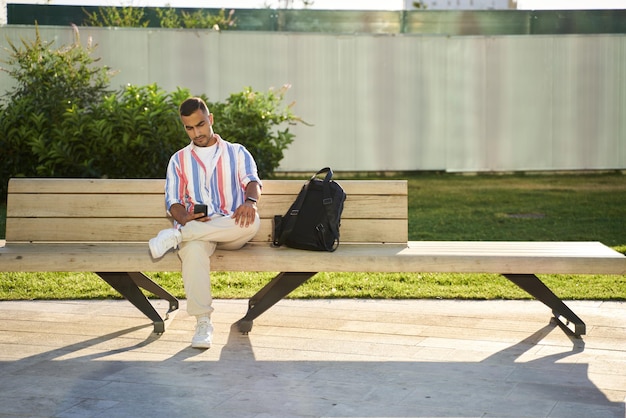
(181, 215)
(197, 217)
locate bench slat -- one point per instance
(349, 258)
(130, 230)
(156, 186)
(153, 206)
(513, 249)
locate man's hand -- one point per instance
(197, 217)
(182, 216)
(245, 214)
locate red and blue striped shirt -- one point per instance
(220, 187)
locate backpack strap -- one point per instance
(288, 222)
(330, 213)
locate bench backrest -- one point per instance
(133, 210)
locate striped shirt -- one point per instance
(221, 186)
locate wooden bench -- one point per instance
(102, 226)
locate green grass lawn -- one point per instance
(550, 207)
(519, 208)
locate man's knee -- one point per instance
(246, 234)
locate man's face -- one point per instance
(199, 128)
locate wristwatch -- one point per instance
(251, 199)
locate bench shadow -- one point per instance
(65, 382)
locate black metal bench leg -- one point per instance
(279, 287)
(535, 287)
(148, 284)
(129, 284)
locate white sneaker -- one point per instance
(164, 241)
(204, 333)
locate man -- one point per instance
(222, 175)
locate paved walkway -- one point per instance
(335, 358)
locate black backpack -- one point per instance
(312, 222)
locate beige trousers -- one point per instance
(200, 239)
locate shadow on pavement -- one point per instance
(57, 383)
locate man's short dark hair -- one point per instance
(192, 104)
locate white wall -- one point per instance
(400, 102)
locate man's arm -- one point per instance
(253, 190)
(245, 214)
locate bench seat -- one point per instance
(416, 256)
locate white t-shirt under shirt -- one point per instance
(208, 156)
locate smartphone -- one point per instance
(200, 209)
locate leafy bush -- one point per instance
(126, 16)
(54, 78)
(61, 120)
(250, 118)
(201, 19)
(168, 17)
(48, 81)
(129, 134)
